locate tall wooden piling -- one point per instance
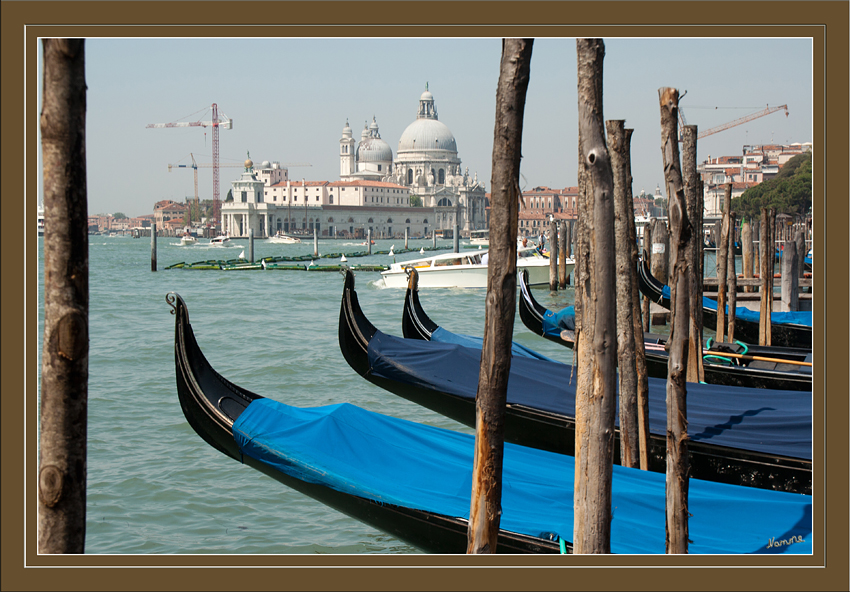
(660, 257)
(456, 239)
(153, 246)
(624, 218)
(747, 253)
(553, 256)
(406, 232)
(693, 252)
(63, 412)
(731, 283)
(596, 384)
(251, 245)
(434, 238)
(790, 280)
(722, 255)
(368, 241)
(316, 243)
(800, 239)
(768, 256)
(563, 230)
(677, 366)
(486, 495)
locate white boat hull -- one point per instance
(465, 275)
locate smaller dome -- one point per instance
(426, 96)
(266, 164)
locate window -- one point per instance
(244, 196)
(441, 179)
(410, 176)
(331, 201)
(379, 167)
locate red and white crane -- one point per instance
(215, 123)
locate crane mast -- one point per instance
(766, 111)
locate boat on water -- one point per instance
(479, 238)
(220, 240)
(736, 364)
(788, 329)
(187, 239)
(40, 216)
(466, 270)
(413, 481)
(743, 436)
(284, 239)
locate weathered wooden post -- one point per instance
(485, 506)
(677, 367)
(731, 283)
(369, 241)
(63, 416)
(456, 239)
(693, 252)
(660, 256)
(747, 253)
(563, 230)
(251, 245)
(316, 243)
(596, 383)
(800, 239)
(722, 254)
(648, 233)
(766, 250)
(553, 256)
(434, 238)
(756, 248)
(153, 246)
(790, 278)
(406, 232)
(624, 218)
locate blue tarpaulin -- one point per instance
(777, 318)
(440, 335)
(395, 461)
(555, 322)
(772, 421)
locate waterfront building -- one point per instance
(374, 190)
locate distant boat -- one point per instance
(220, 240)
(466, 270)
(284, 239)
(479, 237)
(40, 220)
(187, 239)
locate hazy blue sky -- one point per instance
(289, 100)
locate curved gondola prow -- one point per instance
(415, 323)
(355, 330)
(530, 311)
(649, 284)
(210, 402)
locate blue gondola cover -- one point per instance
(395, 461)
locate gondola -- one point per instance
(737, 435)
(414, 481)
(741, 371)
(788, 329)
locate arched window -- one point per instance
(407, 221)
(425, 221)
(371, 221)
(410, 176)
(330, 220)
(389, 220)
(350, 220)
(445, 202)
(441, 177)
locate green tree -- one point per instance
(119, 216)
(790, 192)
(415, 201)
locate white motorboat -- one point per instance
(40, 220)
(187, 239)
(466, 270)
(220, 240)
(284, 239)
(479, 238)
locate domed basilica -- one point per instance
(426, 163)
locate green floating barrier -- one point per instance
(286, 267)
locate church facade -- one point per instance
(420, 190)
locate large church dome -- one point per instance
(372, 148)
(427, 134)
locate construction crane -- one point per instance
(216, 123)
(766, 111)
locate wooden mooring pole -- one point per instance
(767, 251)
(677, 366)
(790, 281)
(63, 413)
(720, 273)
(553, 256)
(731, 283)
(563, 231)
(153, 246)
(485, 505)
(596, 384)
(693, 252)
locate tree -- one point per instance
(415, 201)
(119, 216)
(790, 192)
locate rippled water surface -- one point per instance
(154, 487)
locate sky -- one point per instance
(289, 100)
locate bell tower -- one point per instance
(347, 153)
